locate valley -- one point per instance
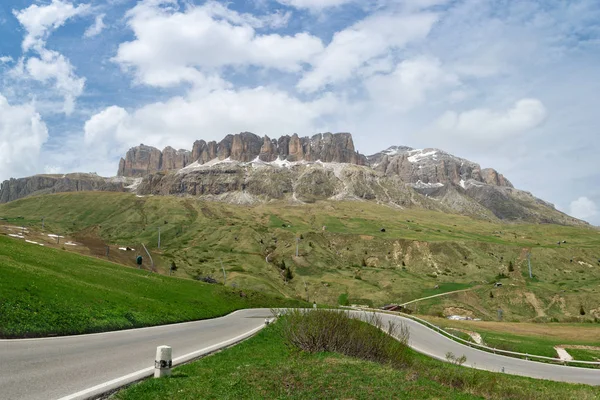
(349, 252)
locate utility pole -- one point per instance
(224, 274)
(159, 237)
(529, 264)
(149, 256)
(43, 218)
(297, 241)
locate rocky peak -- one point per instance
(427, 168)
(244, 147)
(140, 161)
(143, 160)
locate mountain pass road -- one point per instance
(79, 367)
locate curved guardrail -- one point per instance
(487, 348)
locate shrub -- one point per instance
(491, 295)
(343, 299)
(336, 331)
(581, 310)
(511, 267)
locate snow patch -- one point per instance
(54, 236)
(134, 185)
(462, 183)
(32, 242)
(70, 244)
(16, 236)
(419, 155)
(422, 185)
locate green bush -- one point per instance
(343, 299)
(335, 331)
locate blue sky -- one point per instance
(512, 85)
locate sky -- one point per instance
(511, 84)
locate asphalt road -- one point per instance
(78, 367)
(431, 343)
(62, 367)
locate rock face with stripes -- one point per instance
(245, 146)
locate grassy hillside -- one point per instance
(582, 340)
(46, 291)
(267, 367)
(357, 252)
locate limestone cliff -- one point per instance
(15, 189)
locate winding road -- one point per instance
(79, 367)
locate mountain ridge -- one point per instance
(247, 169)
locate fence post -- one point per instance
(163, 361)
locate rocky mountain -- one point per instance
(142, 160)
(244, 147)
(430, 167)
(247, 169)
(15, 189)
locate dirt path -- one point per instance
(563, 354)
(535, 304)
(438, 295)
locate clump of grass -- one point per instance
(335, 331)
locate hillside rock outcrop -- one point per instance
(15, 189)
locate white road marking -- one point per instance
(115, 383)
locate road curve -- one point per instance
(76, 367)
(67, 367)
(436, 345)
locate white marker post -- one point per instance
(163, 361)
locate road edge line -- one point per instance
(116, 383)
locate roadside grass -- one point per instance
(584, 354)
(530, 338)
(418, 250)
(46, 291)
(460, 334)
(269, 366)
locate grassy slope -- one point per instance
(49, 291)
(265, 367)
(538, 339)
(436, 249)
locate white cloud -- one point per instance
(22, 134)
(96, 28)
(408, 85)
(210, 116)
(354, 47)
(277, 19)
(489, 125)
(40, 21)
(50, 67)
(6, 59)
(54, 67)
(52, 169)
(583, 208)
(314, 5)
(173, 47)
